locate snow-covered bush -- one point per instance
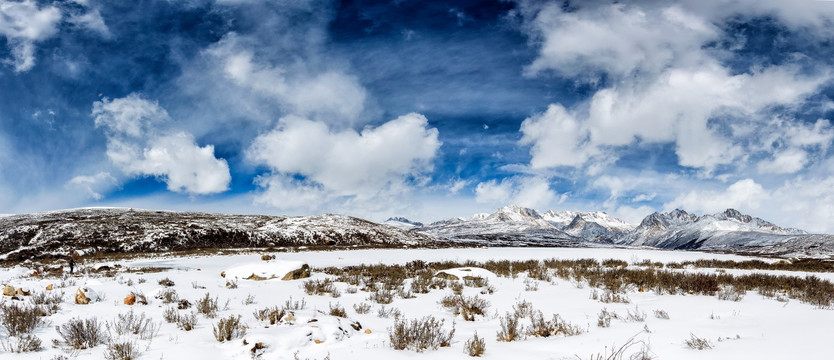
(476, 346)
(510, 328)
(81, 334)
(420, 334)
(19, 319)
(229, 328)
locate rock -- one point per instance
(81, 298)
(8, 290)
(85, 295)
(266, 257)
(303, 272)
(23, 292)
(49, 287)
(130, 299)
(289, 317)
(367, 331)
(446, 276)
(223, 274)
(317, 341)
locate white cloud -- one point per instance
(744, 195)
(24, 24)
(527, 191)
(644, 197)
(785, 162)
(666, 86)
(320, 94)
(633, 215)
(557, 139)
(137, 147)
(363, 165)
(94, 185)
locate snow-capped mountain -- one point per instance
(402, 223)
(515, 224)
(509, 225)
(125, 230)
(726, 230)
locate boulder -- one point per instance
(8, 290)
(85, 295)
(446, 276)
(130, 299)
(49, 287)
(24, 292)
(367, 331)
(301, 273)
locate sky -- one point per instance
(421, 109)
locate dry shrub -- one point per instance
(207, 306)
(510, 328)
(271, 314)
(337, 310)
(475, 346)
(229, 328)
(539, 327)
(362, 308)
(420, 334)
(20, 319)
(22, 343)
(466, 307)
(698, 343)
(81, 334)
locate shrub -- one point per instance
(382, 296)
(636, 315)
(420, 334)
(183, 304)
(228, 329)
(604, 318)
(523, 309)
(531, 285)
(131, 324)
(612, 297)
(19, 319)
(389, 312)
(321, 287)
(466, 307)
(475, 346)
(540, 327)
(661, 314)
(207, 306)
(273, 314)
(22, 343)
(249, 300)
(362, 308)
(166, 282)
(81, 334)
(170, 314)
(337, 310)
(730, 293)
(122, 350)
(510, 329)
(187, 322)
(297, 305)
(698, 343)
(168, 296)
(48, 303)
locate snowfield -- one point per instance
(755, 327)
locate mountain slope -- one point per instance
(509, 225)
(126, 230)
(725, 231)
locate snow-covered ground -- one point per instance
(753, 328)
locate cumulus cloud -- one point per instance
(362, 165)
(527, 191)
(667, 86)
(136, 145)
(24, 24)
(744, 195)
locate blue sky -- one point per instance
(420, 109)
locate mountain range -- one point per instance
(118, 230)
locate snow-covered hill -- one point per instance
(725, 231)
(126, 230)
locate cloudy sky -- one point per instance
(423, 109)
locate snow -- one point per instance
(753, 328)
(264, 270)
